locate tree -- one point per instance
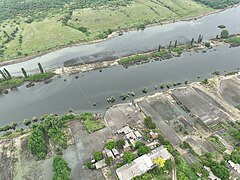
(60, 169)
(8, 74)
(40, 68)
(224, 34)
(138, 144)
(120, 144)
(182, 176)
(143, 150)
(98, 155)
(26, 122)
(24, 72)
(129, 157)
(37, 144)
(110, 145)
(148, 122)
(3, 75)
(159, 161)
(108, 161)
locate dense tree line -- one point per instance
(50, 127)
(41, 8)
(218, 4)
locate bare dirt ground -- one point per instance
(230, 90)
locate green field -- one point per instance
(52, 24)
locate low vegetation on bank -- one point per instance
(162, 53)
(9, 82)
(233, 40)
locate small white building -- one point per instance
(236, 167)
(138, 135)
(125, 130)
(133, 142)
(109, 153)
(126, 146)
(100, 164)
(115, 152)
(130, 135)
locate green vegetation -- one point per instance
(218, 4)
(224, 34)
(234, 157)
(39, 77)
(148, 122)
(14, 82)
(26, 122)
(61, 169)
(128, 157)
(23, 24)
(143, 150)
(205, 81)
(238, 106)
(134, 59)
(233, 40)
(91, 123)
(145, 90)
(98, 155)
(218, 169)
(119, 144)
(37, 143)
(49, 128)
(8, 127)
(110, 145)
(18, 81)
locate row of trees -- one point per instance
(7, 76)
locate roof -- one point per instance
(236, 167)
(100, 164)
(142, 164)
(153, 135)
(138, 134)
(133, 142)
(136, 168)
(160, 152)
(115, 152)
(131, 135)
(125, 130)
(109, 153)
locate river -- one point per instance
(136, 41)
(96, 87)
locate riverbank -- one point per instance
(14, 82)
(114, 34)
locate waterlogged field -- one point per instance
(27, 34)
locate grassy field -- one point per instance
(20, 37)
